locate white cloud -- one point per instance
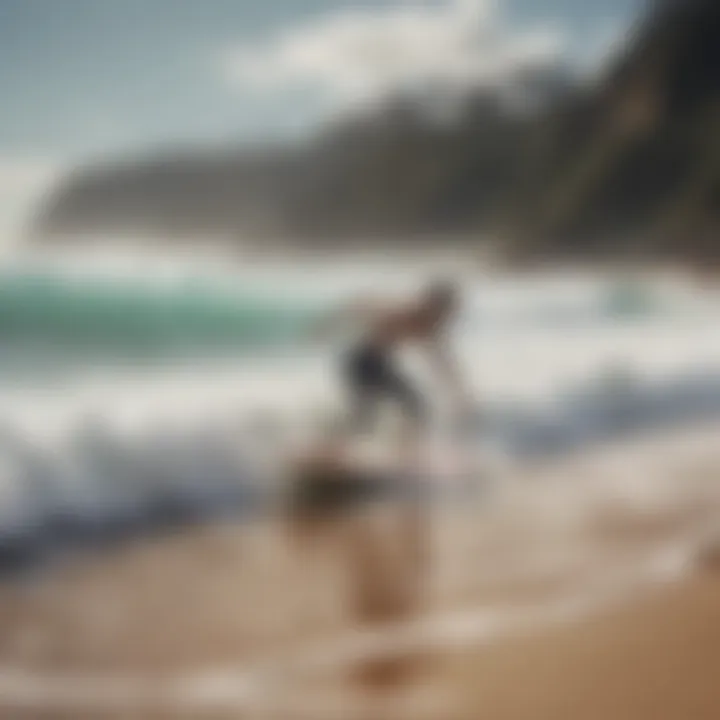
(23, 182)
(363, 54)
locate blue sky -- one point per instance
(81, 79)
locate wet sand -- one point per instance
(656, 659)
(182, 626)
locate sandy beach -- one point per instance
(561, 598)
(656, 659)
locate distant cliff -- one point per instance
(630, 166)
(634, 168)
(393, 173)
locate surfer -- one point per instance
(369, 370)
(339, 473)
(336, 483)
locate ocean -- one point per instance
(135, 400)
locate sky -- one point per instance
(82, 80)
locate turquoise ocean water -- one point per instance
(50, 322)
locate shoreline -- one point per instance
(213, 604)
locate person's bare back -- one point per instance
(391, 326)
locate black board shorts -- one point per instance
(371, 376)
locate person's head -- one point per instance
(441, 299)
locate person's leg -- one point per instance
(413, 518)
(363, 404)
(363, 375)
(372, 377)
(412, 405)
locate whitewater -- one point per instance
(134, 399)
